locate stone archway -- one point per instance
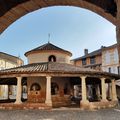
(12, 10)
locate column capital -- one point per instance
(83, 76)
(102, 78)
(48, 77)
(19, 78)
(113, 80)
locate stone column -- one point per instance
(98, 92)
(84, 93)
(19, 91)
(109, 91)
(114, 94)
(118, 28)
(103, 89)
(48, 100)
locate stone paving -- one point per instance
(60, 114)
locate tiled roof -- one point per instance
(45, 67)
(53, 67)
(94, 53)
(36, 67)
(9, 57)
(48, 46)
(109, 47)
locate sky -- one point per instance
(71, 28)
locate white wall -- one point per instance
(110, 60)
(6, 64)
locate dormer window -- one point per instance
(52, 58)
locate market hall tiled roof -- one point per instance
(46, 47)
(53, 67)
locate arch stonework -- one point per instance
(11, 11)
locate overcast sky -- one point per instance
(71, 28)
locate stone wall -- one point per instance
(110, 60)
(38, 57)
(59, 99)
(18, 9)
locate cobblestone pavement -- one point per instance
(60, 114)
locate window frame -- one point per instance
(84, 61)
(52, 57)
(92, 60)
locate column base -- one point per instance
(115, 100)
(104, 100)
(18, 102)
(84, 104)
(48, 102)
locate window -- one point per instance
(118, 68)
(52, 58)
(109, 70)
(92, 60)
(54, 88)
(84, 61)
(35, 87)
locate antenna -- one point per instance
(49, 38)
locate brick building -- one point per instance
(104, 59)
(91, 60)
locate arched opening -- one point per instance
(54, 88)
(52, 58)
(107, 9)
(35, 87)
(68, 35)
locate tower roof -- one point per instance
(48, 47)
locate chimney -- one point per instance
(85, 51)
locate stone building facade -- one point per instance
(91, 60)
(53, 81)
(8, 61)
(51, 53)
(104, 59)
(110, 60)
